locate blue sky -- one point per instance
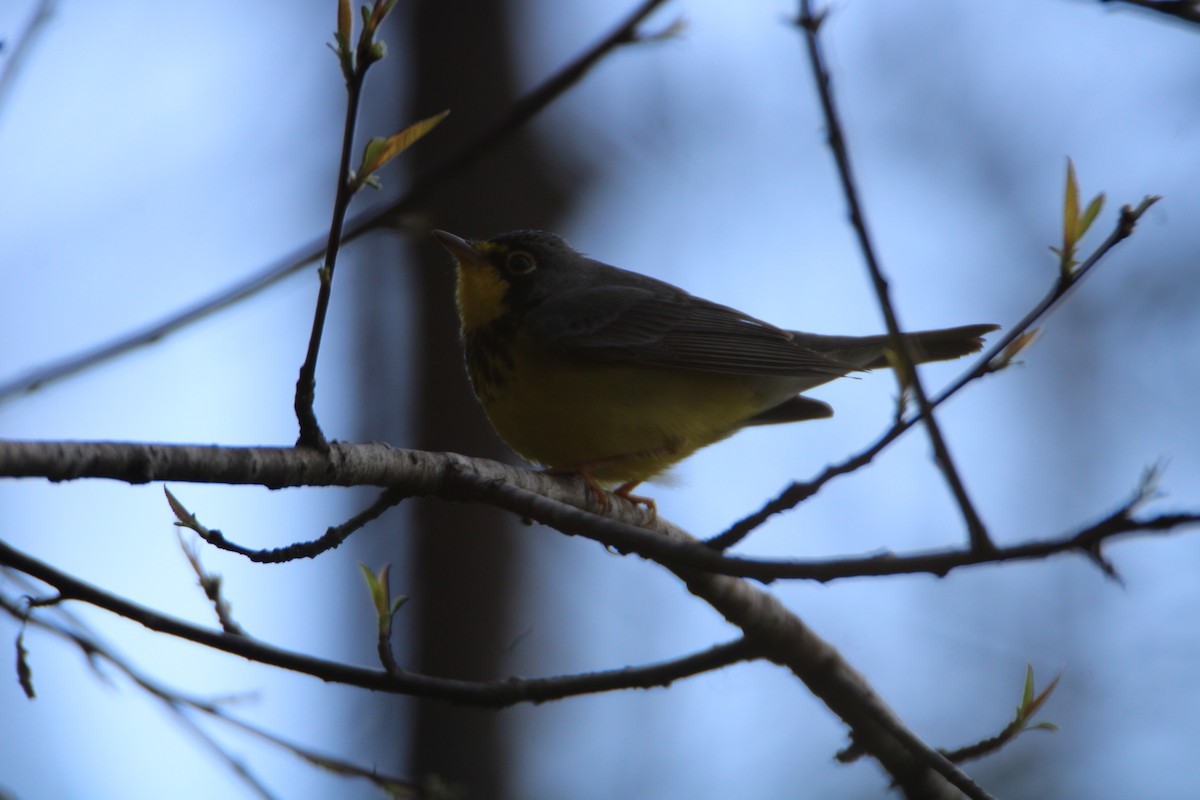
(155, 153)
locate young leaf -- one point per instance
(378, 587)
(385, 606)
(185, 518)
(1071, 210)
(1006, 359)
(380, 151)
(1089, 215)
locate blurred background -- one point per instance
(152, 154)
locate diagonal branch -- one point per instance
(184, 707)
(906, 372)
(21, 46)
(490, 694)
(1067, 282)
(773, 631)
(386, 215)
(770, 630)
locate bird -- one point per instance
(586, 368)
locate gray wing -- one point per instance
(658, 324)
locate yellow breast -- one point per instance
(623, 422)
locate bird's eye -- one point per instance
(520, 263)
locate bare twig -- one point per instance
(355, 63)
(331, 539)
(211, 585)
(182, 707)
(21, 46)
(770, 629)
(906, 372)
(492, 694)
(1022, 722)
(386, 215)
(764, 621)
(797, 493)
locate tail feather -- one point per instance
(870, 352)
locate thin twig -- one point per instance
(21, 46)
(796, 493)
(332, 538)
(180, 706)
(383, 216)
(355, 64)
(491, 694)
(906, 372)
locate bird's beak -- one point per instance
(463, 251)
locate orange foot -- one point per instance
(622, 491)
(638, 500)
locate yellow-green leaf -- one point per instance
(377, 585)
(1071, 210)
(380, 151)
(185, 518)
(1027, 693)
(1089, 215)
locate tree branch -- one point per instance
(1066, 283)
(491, 694)
(566, 504)
(387, 215)
(1185, 10)
(905, 369)
(770, 630)
(182, 706)
(20, 47)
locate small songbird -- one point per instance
(586, 368)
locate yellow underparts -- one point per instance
(619, 422)
(480, 291)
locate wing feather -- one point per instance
(657, 324)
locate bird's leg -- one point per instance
(585, 470)
(638, 500)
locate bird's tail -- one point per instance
(870, 352)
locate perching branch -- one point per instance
(772, 630)
(566, 504)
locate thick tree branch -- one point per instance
(563, 503)
(771, 628)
